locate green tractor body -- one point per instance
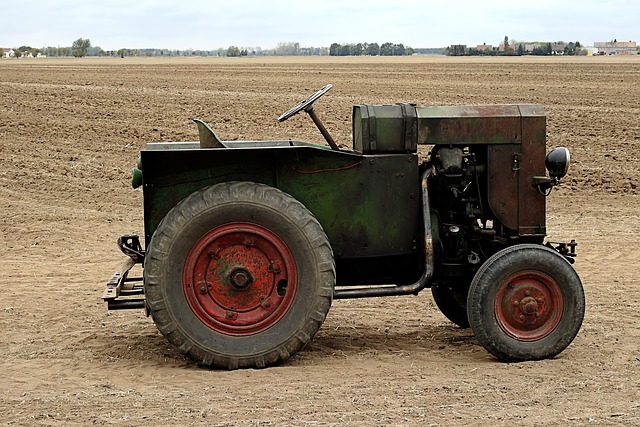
(223, 219)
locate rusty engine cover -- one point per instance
(515, 137)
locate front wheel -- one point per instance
(239, 275)
(526, 303)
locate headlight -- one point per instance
(557, 162)
(136, 177)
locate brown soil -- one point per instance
(70, 130)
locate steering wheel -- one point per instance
(305, 104)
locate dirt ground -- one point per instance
(70, 130)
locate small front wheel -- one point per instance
(526, 303)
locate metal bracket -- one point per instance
(120, 284)
(567, 250)
(130, 245)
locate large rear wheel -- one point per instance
(526, 303)
(239, 275)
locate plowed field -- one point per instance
(70, 130)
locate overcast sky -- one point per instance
(211, 24)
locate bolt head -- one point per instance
(240, 278)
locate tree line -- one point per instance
(83, 47)
(370, 49)
(79, 48)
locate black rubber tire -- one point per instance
(501, 274)
(452, 302)
(217, 206)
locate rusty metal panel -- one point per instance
(503, 183)
(511, 168)
(465, 125)
(532, 214)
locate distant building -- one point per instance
(556, 48)
(511, 46)
(616, 48)
(484, 47)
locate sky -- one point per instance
(213, 24)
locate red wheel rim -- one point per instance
(240, 278)
(529, 306)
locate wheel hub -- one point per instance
(529, 306)
(240, 278)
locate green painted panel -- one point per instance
(368, 205)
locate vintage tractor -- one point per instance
(249, 242)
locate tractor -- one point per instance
(247, 243)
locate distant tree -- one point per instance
(94, 51)
(373, 49)
(345, 50)
(25, 50)
(334, 49)
(80, 47)
(233, 51)
(457, 50)
(287, 49)
(579, 50)
(506, 43)
(520, 49)
(357, 49)
(474, 52)
(386, 49)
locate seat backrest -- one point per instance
(208, 138)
